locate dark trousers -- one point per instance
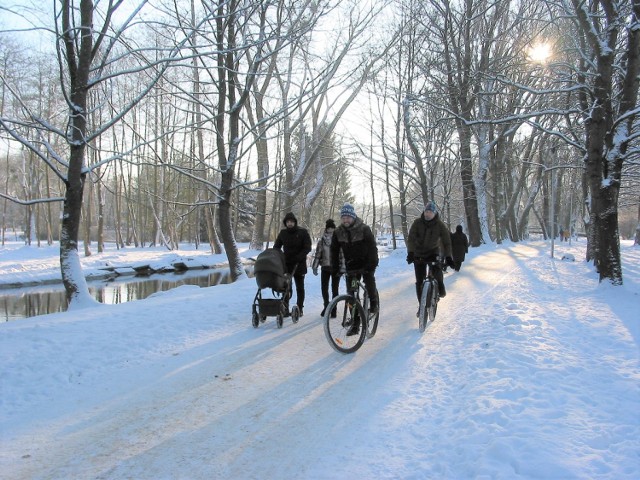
(325, 276)
(369, 280)
(420, 270)
(299, 281)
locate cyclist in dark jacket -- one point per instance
(358, 245)
(295, 243)
(459, 247)
(428, 236)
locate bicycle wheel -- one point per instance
(432, 300)
(372, 321)
(348, 315)
(423, 313)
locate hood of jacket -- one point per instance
(290, 216)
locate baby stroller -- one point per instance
(270, 272)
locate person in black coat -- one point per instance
(295, 243)
(459, 247)
(358, 245)
(429, 238)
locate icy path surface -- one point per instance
(515, 379)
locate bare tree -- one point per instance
(610, 52)
(89, 52)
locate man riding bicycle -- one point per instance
(428, 236)
(359, 248)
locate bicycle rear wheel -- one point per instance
(342, 316)
(432, 300)
(423, 312)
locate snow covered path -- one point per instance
(520, 376)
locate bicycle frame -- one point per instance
(354, 286)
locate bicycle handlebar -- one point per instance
(431, 261)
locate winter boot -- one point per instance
(354, 330)
(373, 307)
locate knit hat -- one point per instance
(289, 216)
(347, 210)
(459, 229)
(330, 224)
(430, 206)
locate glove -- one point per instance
(410, 258)
(449, 262)
(315, 271)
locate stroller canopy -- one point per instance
(270, 269)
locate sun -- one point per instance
(539, 53)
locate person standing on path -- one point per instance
(459, 247)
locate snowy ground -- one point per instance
(531, 370)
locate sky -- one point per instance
(531, 370)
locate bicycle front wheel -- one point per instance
(372, 321)
(423, 312)
(344, 324)
(432, 300)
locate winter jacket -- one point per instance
(322, 257)
(357, 244)
(295, 243)
(428, 238)
(459, 244)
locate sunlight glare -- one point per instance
(539, 53)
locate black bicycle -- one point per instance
(429, 298)
(347, 319)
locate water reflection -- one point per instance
(31, 301)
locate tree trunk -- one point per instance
(469, 198)
(613, 112)
(78, 63)
(636, 240)
(100, 207)
(87, 222)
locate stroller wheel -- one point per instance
(263, 318)
(255, 319)
(295, 314)
(279, 320)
